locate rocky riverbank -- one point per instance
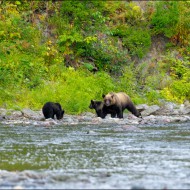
(168, 113)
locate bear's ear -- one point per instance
(103, 95)
(112, 96)
(92, 102)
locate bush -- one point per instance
(72, 89)
(165, 18)
(178, 90)
(136, 40)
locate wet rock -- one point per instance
(28, 113)
(113, 120)
(130, 128)
(68, 119)
(152, 119)
(168, 108)
(184, 109)
(150, 110)
(88, 114)
(187, 103)
(46, 123)
(85, 118)
(142, 107)
(17, 114)
(127, 128)
(2, 118)
(178, 119)
(91, 132)
(3, 112)
(132, 119)
(121, 121)
(97, 120)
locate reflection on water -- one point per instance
(92, 156)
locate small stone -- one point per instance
(90, 132)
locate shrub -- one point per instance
(165, 18)
(73, 89)
(178, 90)
(136, 40)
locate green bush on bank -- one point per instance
(165, 18)
(179, 88)
(73, 89)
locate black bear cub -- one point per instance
(50, 109)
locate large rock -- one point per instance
(150, 110)
(28, 113)
(3, 112)
(184, 109)
(168, 108)
(142, 107)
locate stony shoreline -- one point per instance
(169, 113)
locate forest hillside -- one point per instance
(74, 51)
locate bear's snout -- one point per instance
(107, 102)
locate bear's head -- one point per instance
(109, 99)
(138, 114)
(97, 105)
(60, 114)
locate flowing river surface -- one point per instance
(92, 156)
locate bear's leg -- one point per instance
(98, 113)
(52, 114)
(120, 113)
(103, 115)
(49, 114)
(58, 116)
(131, 107)
(113, 115)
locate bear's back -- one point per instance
(123, 97)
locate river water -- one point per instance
(92, 156)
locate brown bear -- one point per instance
(50, 109)
(101, 109)
(119, 102)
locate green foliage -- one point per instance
(88, 66)
(134, 14)
(137, 41)
(153, 96)
(179, 71)
(127, 82)
(73, 89)
(183, 26)
(165, 18)
(106, 54)
(172, 20)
